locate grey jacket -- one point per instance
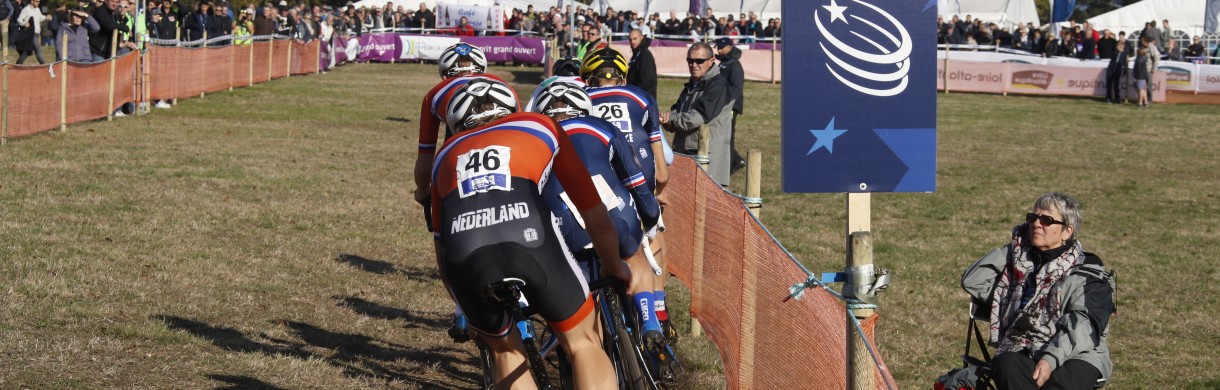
(707, 100)
(1087, 304)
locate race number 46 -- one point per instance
(482, 170)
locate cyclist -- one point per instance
(634, 112)
(492, 224)
(458, 65)
(566, 69)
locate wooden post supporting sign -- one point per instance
(114, 43)
(860, 372)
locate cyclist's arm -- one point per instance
(574, 177)
(632, 177)
(429, 126)
(658, 146)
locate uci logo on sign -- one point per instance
(868, 57)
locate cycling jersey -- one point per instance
(619, 181)
(432, 111)
(634, 113)
(492, 222)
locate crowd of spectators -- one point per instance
(1077, 40)
(554, 21)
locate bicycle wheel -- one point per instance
(485, 364)
(619, 344)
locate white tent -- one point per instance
(1001, 12)
(1183, 15)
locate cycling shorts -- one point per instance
(555, 287)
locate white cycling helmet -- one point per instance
(577, 100)
(459, 51)
(469, 104)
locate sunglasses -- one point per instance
(698, 61)
(1046, 220)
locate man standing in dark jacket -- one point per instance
(642, 70)
(99, 42)
(704, 100)
(730, 68)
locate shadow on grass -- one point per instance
(398, 119)
(385, 268)
(358, 355)
(240, 382)
(376, 310)
(529, 76)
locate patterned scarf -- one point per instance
(1014, 328)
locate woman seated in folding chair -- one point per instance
(1050, 303)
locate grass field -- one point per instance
(265, 238)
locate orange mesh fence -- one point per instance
(279, 60)
(738, 277)
(262, 60)
(305, 57)
(33, 101)
(171, 72)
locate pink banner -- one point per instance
(995, 77)
(671, 61)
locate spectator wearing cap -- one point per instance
(642, 69)
(730, 68)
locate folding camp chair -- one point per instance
(980, 315)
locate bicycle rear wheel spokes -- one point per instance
(486, 364)
(619, 344)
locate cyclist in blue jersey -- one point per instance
(636, 114)
(619, 180)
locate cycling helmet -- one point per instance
(577, 100)
(566, 66)
(603, 58)
(459, 51)
(469, 104)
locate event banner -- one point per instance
(1181, 76)
(479, 18)
(859, 96)
(389, 47)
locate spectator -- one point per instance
(1107, 45)
(642, 69)
(1195, 51)
(243, 28)
(100, 41)
(672, 26)
(463, 28)
(75, 33)
(126, 18)
(1115, 72)
(731, 70)
(705, 99)
(1050, 306)
(7, 13)
(57, 17)
(1172, 51)
(196, 24)
(1142, 75)
(1166, 35)
(1154, 63)
(424, 18)
(265, 24)
(592, 41)
(219, 25)
(755, 26)
(1150, 32)
(29, 29)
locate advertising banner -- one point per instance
(378, 47)
(510, 49)
(423, 47)
(479, 18)
(1031, 79)
(859, 96)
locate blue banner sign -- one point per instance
(859, 96)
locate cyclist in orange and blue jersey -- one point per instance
(492, 224)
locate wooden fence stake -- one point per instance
(700, 221)
(288, 60)
(4, 103)
(251, 61)
(114, 43)
(270, 58)
(63, 86)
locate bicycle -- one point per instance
(540, 341)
